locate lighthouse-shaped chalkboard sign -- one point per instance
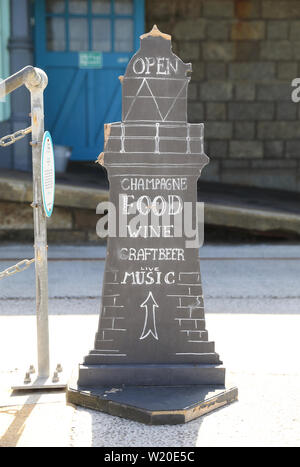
(152, 330)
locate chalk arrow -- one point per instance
(150, 325)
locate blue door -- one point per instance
(84, 46)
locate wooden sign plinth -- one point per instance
(152, 324)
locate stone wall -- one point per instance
(74, 217)
(245, 54)
(67, 225)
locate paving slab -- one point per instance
(36, 425)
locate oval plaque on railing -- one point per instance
(48, 174)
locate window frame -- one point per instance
(112, 16)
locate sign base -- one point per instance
(151, 375)
(40, 383)
(152, 405)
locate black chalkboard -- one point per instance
(152, 324)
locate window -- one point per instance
(56, 40)
(82, 25)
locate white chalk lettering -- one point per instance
(157, 184)
(155, 65)
(154, 277)
(150, 62)
(152, 254)
(139, 66)
(150, 231)
(159, 205)
(160, 67)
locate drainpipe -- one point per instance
(21, 54)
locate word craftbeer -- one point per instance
(152, 254)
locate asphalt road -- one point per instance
(236, 279)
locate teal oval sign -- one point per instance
(48, 174)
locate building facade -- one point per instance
(4, 71)
(245, 55)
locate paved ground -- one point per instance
(253, 313)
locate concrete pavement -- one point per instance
(252, 297)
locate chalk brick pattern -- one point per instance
(189, 314)
(111, 322)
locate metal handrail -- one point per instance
(36, 81)
(28, 76)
